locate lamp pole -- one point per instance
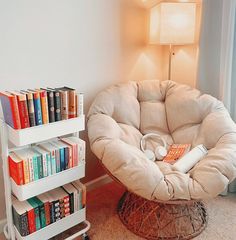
(170, 58)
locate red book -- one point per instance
(10, 109)
(31, 220)
(16, 169)
(23, 109)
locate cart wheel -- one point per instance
(85, 236)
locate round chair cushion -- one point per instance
(122, 114)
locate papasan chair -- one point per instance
(161, 202)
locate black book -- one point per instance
(20, 218)
(57, 103)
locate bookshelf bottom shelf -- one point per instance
(55, 228)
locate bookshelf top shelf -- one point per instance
(44, 132)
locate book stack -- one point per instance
(32, 107)
(40, 211)
(33, 163)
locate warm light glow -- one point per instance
(172, 23)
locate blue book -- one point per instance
(61, 146)
(37, 107)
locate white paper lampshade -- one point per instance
(172, 23)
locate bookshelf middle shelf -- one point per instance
(23, 192)
(44, 132)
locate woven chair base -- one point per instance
(162, 220)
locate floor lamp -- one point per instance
(172, 24)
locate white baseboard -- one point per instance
(89, 185)
(98, 182)
(2, 224)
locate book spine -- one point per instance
(57, 156)
(76, 104)
(52, 215)
(42, 216)
(76, 155)
(16, 171)
(62, 159)
(57, 104)
(23, 110)
(49, 164)
(64, 105)
(44, 106)
(45, 165)
(15, 112)
(37, 108)
(26, 171)
(30, 102)
(72, 203)
(56, 210)
(31, 169)
(67, 157)
(36, 170)
(31, 221)
(53, 161)
(81, 104)
(40, 166)
(66, 205)
(51, 107)
(21, 223)
(37, 218)
(47, 212)
(72, 104)
(62, 208)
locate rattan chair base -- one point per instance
(162, 221)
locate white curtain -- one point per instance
(217, 54)
(216, 73)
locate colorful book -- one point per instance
(25, 161)
(35, 205)
(37, 107)
(74, 147)
(46, 160)
(20, 217)
(64, 94)
(30, 216)
(30, 104)
(44, 198)
(57, 103)
(73, 196)
(23, 109)
(51, 106)
(175, 152)
(52, 149)
(63, 148)
(10, 109)
(44, 105)
(16, 168)
(41, 212)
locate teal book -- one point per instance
(35, 165)
(34, 204)
(41, 212)
(49, 165)
(61, 146)
(40, 166)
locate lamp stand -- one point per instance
(170, 59)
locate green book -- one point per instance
(34, 204)
(41, 212)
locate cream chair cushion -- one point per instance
(122, 114)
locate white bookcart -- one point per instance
(22, 138)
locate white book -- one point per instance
(82, 193)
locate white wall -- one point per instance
(86, 44)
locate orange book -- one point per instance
(16, 169)
(175, 152)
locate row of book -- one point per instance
(40, 211)
(33, 163)
(28, 108)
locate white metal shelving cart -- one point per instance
(22, 138)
